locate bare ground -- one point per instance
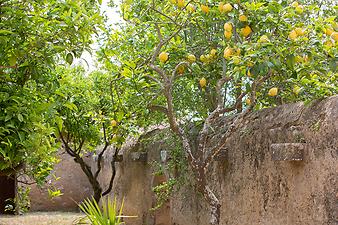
(41, 218)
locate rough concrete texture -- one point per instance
(253, 186)
(72, 183)
(260, 178)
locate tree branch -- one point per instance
(219, 85)
(154, 79)
(174, 73)
(113, 173)
(235, 124)
(99, 160)
(158, 108)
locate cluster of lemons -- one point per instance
(234, 53)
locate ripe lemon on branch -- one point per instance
(334, 36)
(113, 123)
(180, 3)
(203, 82)
(191, 58)
(213, 52)
(180, 69)
(300, 31)
(228, 27)
(163, 57)
(273, 92)
(227, 53)
(293, 35)
(263, 39)
(227, 7)
(191, 8)
(205, 9)
(246, 31)
(243, 18)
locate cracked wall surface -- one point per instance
(279, 168)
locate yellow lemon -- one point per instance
(294, 4)
(328, 31)
(173, 1)
(203, 58)
(299, 9)
(220, 7)
(236, 60)
(227, 7)
(191, 58)
(205, 8)
(227, 53)
(213, 52)
(180, 3)
(191, 8)
(246, 31)
(163, 57)
(293, 35)
(228, 27)
(299, 59)
(227, 34)
(113, 123)
(300, 31)
(203, 82)
(243, 18)
(238, 51)
(249, 73)
(249, 64)
(180, 69)
(328, 44)
(334, 36)
(248, 101)
(263, 39)
(273, 92)
(296, 89)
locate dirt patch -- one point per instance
(41, 218)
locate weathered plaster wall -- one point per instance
(255, 189)
(72, 183)
(254, 185)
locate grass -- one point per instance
(41, 218)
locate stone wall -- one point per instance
(71, 182)
(279, 168)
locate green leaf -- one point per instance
(59, 123)
(20, 117)
(69, 58)
(5, 32)
(12, 60)
(8, 117)
(333, 64)
(290, 61)
(71, 106)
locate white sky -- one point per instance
(113, 18)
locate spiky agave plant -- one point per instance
(107, 215)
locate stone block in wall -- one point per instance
(139, 156)
(287, 151)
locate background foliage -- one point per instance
(35, 37)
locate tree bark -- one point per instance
(97, 189)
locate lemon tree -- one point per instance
(238, 56)
(92, 121)
(35, 37)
